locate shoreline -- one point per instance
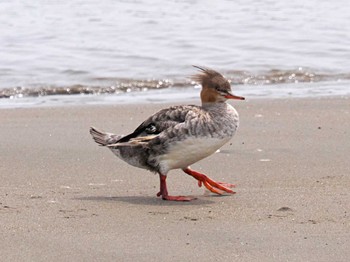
(65, 198)
(314, 90)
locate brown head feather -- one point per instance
(211, 79)
(215, 87)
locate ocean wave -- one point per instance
(119, 85)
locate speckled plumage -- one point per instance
(174, 125)
(179, 136)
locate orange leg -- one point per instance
(164, 192)
(215, 187)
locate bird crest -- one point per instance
(211, 78)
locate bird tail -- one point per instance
(103, 139)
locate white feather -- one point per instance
(189, 151)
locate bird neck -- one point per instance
(209, 95)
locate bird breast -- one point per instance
(206, 135)
(189, 151)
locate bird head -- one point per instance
(215, 87)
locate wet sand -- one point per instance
(63, 198)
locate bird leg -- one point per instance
(215, 187)
(164, 191)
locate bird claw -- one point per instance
(175, 198)
(226, 184)
(215, 187)
(178, 198)
(164, 191)
(218, 187)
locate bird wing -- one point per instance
(159, 122)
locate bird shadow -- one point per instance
(151, 201)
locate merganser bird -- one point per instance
(180, 136)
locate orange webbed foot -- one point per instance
(215, 187)
(164, 192)
(178, 198)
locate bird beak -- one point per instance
(231, 96)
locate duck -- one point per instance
(179, 136)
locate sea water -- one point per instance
(89, 51)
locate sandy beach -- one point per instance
(63, 198)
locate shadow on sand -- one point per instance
(148, 200)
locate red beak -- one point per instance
(231, 96)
